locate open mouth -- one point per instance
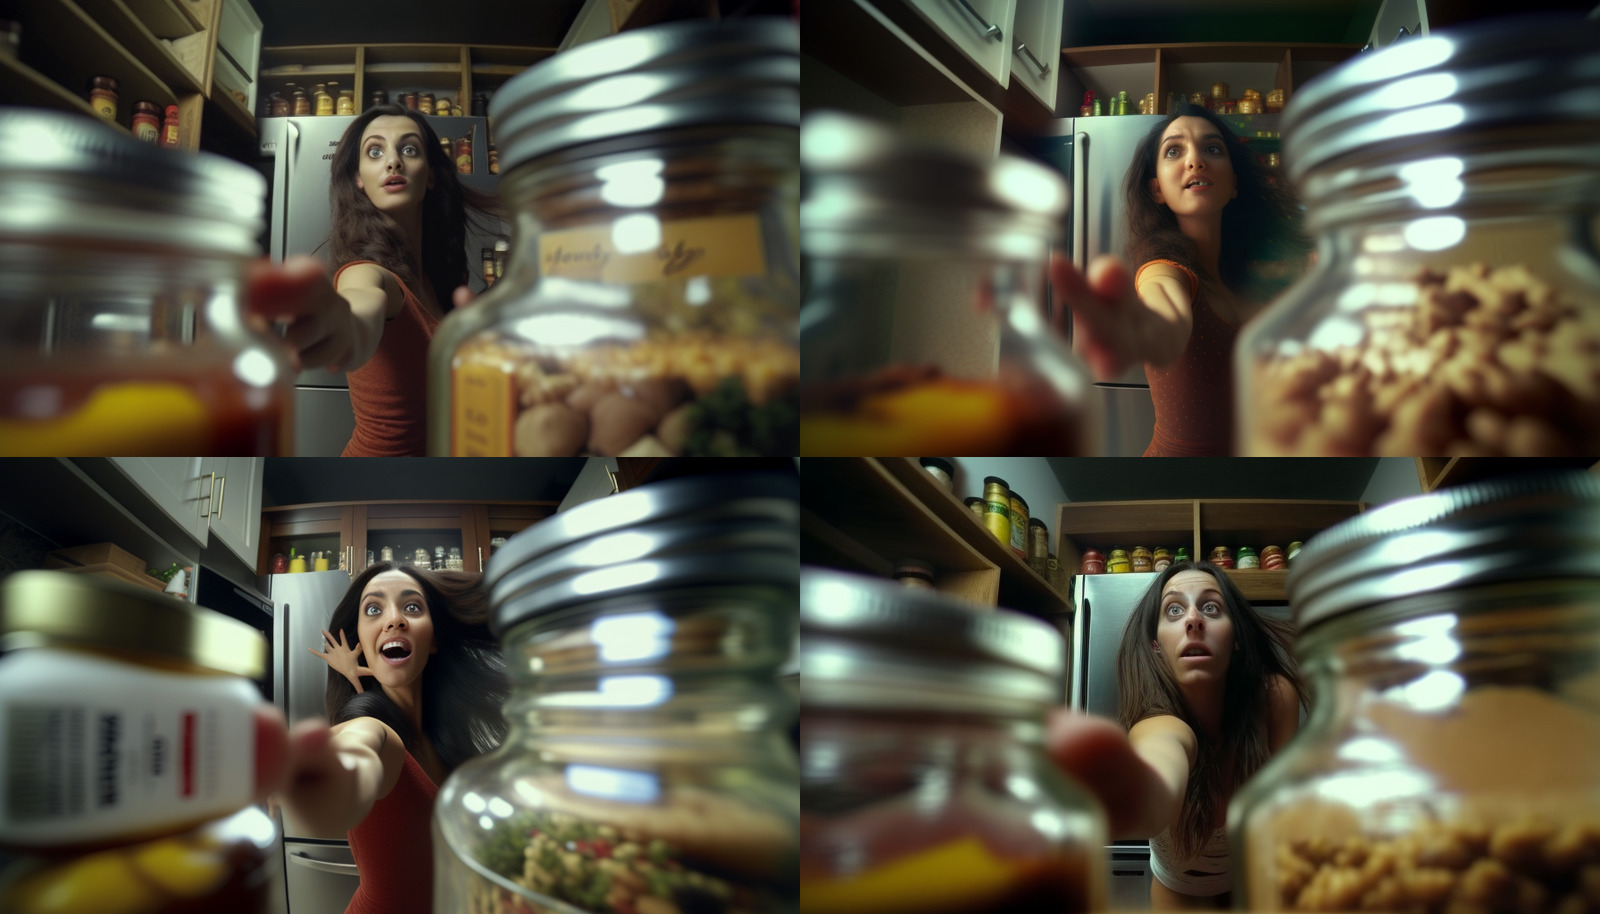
(395, 650)
(395, 183)
(1194, 651)
(1197, 184)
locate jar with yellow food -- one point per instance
(925, 787)
(1119, 562)
(1140, 559)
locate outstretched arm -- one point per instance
(1119, 326)
(1139, 777)
(337, 773)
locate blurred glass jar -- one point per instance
(649, 307)
(648, 765)
(1455, 307)
(1452, 761)
(925, 786)
(121, 300)
(914, 248)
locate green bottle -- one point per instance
(1183, 555)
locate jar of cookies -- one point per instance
(1454, 309)
(1452, 758)
(924, 783)
(651, 300)
(923, 328)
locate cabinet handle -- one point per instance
(990, 30)
(211, 494)
(1022, 48)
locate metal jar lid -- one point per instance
(65, 176)
(1532, 527)
(713, 529)
(40, 608)
(868, 644)
(870, 192)
(731, 72)
(1522, 91)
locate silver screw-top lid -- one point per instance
(1484, 98)
(713, 529)
(743, 71)
(66, 176)
(871, 192)
(866, 643)
(1536, 526)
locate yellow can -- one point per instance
(1119, 562)
(997, 508)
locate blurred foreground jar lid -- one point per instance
(53, 608)
(697, 73)
(870, 192)
(712, 529)
(867, 643)
(1539, 526)
(65, 176)
(1520, 91)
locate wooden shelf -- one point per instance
(25, 86)
(293, 71)
(67, 45)
(120, 21)
(1108, 525)
(1260, 586)
(167, 18)
(1256, 522)
(1438, 472)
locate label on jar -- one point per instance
(483, 406)
(639, 248)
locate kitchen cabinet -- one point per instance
(193, 492)
(163, 51)
(979, 29)
(347, 532)
(235, 516)
(1036, 50)
(1170, 70)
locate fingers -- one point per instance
(272, 750)
(462, 297)
(285, 290)
(1097, 753)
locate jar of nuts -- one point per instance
(907, 241)
(1452, 761)
(650, 307)
(1455, 309)
(924, 783)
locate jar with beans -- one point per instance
(1452, 761)
(1455, 306)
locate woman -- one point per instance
(398, 241)
(415, 684)
(1211, 236)
(1208, 693)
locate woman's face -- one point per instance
(1194, 175)
(393, 165)
(395, 628)
(1194, 634)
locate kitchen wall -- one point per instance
(1030, 477)
(1394, 477)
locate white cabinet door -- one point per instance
(978, 28)
(177, 486)
(1035, 45)
(236, 513)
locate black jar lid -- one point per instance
(1532, 527)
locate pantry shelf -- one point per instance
(28, 87)
(67, 45)
(167, 18)
(125, 26)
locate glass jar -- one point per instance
(925, 786)
(1160, 558)
(385, 553)
(301, 103)
(997, 508)
(1455, 306)
(1248, 558)
(322, 102)
(120, 308)
(146, 122)
(280, 105)
(1094, 562)
(453, 560)
(1221, 556)
(1038, 540)
(923, 328)
(650, 304)
(1452, 760)
(975, 505)
(103, 97)
(377, 97)
(941, 469)
(1140, 559)
(425, 103)
(1119, 562)
(648, 765)
(346, 102)
(1019, 526)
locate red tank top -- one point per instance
(393, 847)
(389, 394)
(1194, 396)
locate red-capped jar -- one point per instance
(1094, 562)
(1222, 557)
(169, 127)
(146, 122)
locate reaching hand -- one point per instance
(1108, 318)
(462, 297)
(322, 785)
(297, 293)
(345, 660)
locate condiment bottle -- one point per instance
(1038, 540)
(411, 100)
(297, 563)
(488, 267)
(659, 649)
(967, 788)
(425, 103)
(1093, 562)
(346, 102)
(975, 505)
(1247, 558)
(679, 298)
(280, 564)
(463, 156)
(1140, 559)
(997, 508)
(1294, 550)
(1221, 556)
(1019, 526)
(169, 127)
(377, 97)
(941, 469)
(1182, 555)
(480, 104)
(494, 160)
(146, 122)
(103, 97)
(1456, 731)
(302, 103)
(1160, 559)
(280, 105)
(1119, 562)
(323, 101)
(1272, 558)
(320, 562)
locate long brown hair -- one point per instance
(1261, 226)
(361, 231)
(1147, 688)
(463, 685)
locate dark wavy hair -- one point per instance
(463, 685)
(1147, 688)
(361, 231)
(1262, 227)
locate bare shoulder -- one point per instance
(1280, 691)
(1165, 728)
(376, 730)
(363, 276)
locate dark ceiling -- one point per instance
(1312, 478)
(310, 480)
(519, 23)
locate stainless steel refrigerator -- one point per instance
(302, 151)
(1093, 154)
(321, 873)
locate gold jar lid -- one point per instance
(39, 608)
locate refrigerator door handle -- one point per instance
(1080, 203)
(312, 863)
(292, 141)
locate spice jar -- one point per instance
(377, 97)
(1455, 306)
(410, 99)
(647, 766)
(1038, 540)
(1272, 559)
(1247, 558)
(975, 505)
(463, 156)
(1160, 558)
(884, 214)
(1019, 526)
(1119, 563)
(1140, 559)
(997, 508)
(925, 785)
(941, 469)
(1182, 555)
(301, 103)
(1274, 101)
(346, 103)
(651, 306)
(146, 122)
(1294, 550)
(915, 575)
(1219, 93)
(147, 352)
(1455, 746)
(103, 97)
(1221, 556)
(1094, 562)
